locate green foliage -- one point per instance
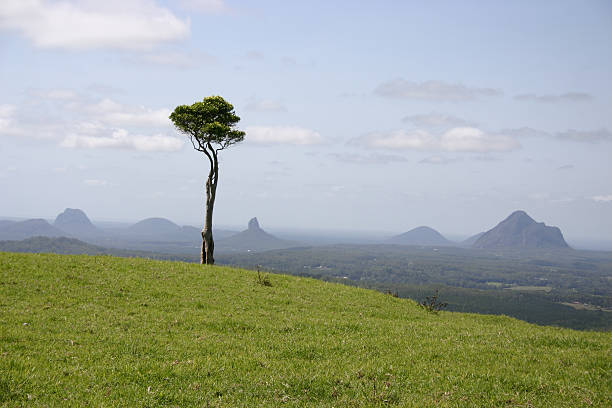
(263, 279)
(211, 121)
(432, 304)
(104, 331)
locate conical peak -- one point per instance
(519, 213)
(520, 217)
(254, 224)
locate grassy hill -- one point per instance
(105, 331)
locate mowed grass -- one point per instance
(103, 331)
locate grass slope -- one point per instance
(104, 331)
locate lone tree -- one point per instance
(210, 127)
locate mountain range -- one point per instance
(517, 231)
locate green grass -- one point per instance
(104, 331)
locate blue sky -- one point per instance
(359, 115)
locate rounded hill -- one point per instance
(424, 235)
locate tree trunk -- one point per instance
(208, 244)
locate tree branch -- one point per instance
(199, 149)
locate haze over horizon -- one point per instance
(380, 116)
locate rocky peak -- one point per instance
(519, 230)
(254, 224)
(72, 216)
(520, 217)
(76, 222)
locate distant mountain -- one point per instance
(154, 227)
(29, 228)
(521, 231)
(252, 239)
(161, 230)
(76, 223)
(469, 242)
(424, 236)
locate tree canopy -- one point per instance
(209, 124)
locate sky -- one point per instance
(359, 116)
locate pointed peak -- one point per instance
(519, 230)
(520, 215)
(254, 224)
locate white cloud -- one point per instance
(400, 139)
(56, 94)
(539, 196)
(122, 139)
(566, 97)
(563, 200)
(76, 121)
(602, 198)
(204, 6)
(566, 167)
(7, 112)
(525, 132)
(254, 55)
(437, 160)
(469, 139)
(181, 60)
(486, 158)
(288, 60)
(79, 25)
(116, 114)
(460, 139)
(588, 136)
(570, 135)
(292, 135)
(96, 182)
(374, 158)
(432, 91)
(435, 120)
(265, 105)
